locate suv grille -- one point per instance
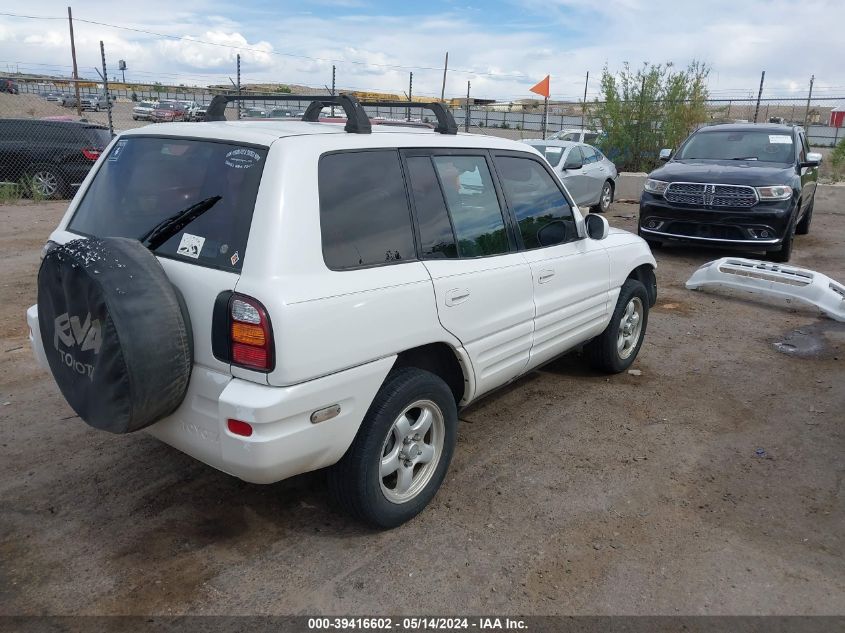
(707, 195)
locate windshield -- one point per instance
(146, 180)
(762, 145)
(553, 154)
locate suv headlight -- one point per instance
(655, 186)
(776, 192)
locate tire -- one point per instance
(116, 334)
(783, 254)
(45, 181)
(604, 352)
(605, 199)
(803, 227)
(356, 481)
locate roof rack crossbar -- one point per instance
(445, 121)
(357, 121)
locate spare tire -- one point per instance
(115, 333)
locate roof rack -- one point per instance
(357, 121)
(445, 121)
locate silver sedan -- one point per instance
(587, 173)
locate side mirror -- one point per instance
(597, 226)
(665, 154)
(814, 159)
(573, 164)
(555, 232)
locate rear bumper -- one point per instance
(284, 441)
(759, 229)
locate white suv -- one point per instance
(274, 297)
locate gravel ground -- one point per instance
(570, 492)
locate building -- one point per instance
(837, 116)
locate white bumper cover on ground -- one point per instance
(776, 280)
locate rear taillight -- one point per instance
(91, 154)
(250, 334)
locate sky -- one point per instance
(502, 47)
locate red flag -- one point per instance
(542, 88)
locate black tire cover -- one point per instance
(114, 332)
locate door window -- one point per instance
(574, 158)
(473, 205)
(589, 154)
(542, 212)
(436, 236)
(364, 214)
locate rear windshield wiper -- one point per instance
(169, 227)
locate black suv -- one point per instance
(50, 157)
(741, 186)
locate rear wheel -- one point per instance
(45, 182)
(803, 227)
(605, 200)
(400, 455)
(615, 349)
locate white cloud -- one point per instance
(220, 55)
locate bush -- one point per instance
(645, 110)
(837, 161)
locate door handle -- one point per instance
(456, 296)
(545, 275)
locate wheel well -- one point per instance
(645, 275)
(440, 360)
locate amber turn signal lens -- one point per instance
(248, 334)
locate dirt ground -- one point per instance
(712, 483)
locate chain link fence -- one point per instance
(49, 140)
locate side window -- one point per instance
(473, 205)
(805, 148)
(590, 137)
(570, 136)
(364, 215)
(590, 155)
(543, 214)
(436, 235)
(573, 158)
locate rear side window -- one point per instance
(542, 213)
(435, 228)
(590, 155)
(146, 180)
(364, 214)
(473, 205)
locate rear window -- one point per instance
(145, 180)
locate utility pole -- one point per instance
(466, 111)
(238, 86)
(73, 55)
(333, 86)
(584, 104)
(410, 96)
(759, 94)
(445, 68)
(106, 87)
(809, 96)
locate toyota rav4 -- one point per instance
(274, 296)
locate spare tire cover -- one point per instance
(115, 336)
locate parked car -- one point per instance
(50, 157)
(8, 85)
(191, 109)
(95, 102)
(743, 186)
(342, 295)
(200, 113)
(588, 175)
(68, 100)
(577, 135)
(168, 112)
(254, 113)
(284, 113)
(144, 110)
(53, 96)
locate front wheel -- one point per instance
(783, 254)
(615, 349)
(400, 455)
(605, 199)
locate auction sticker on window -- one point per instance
(117, 151)
(242, 158)
(783, 139)
(190, 246)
